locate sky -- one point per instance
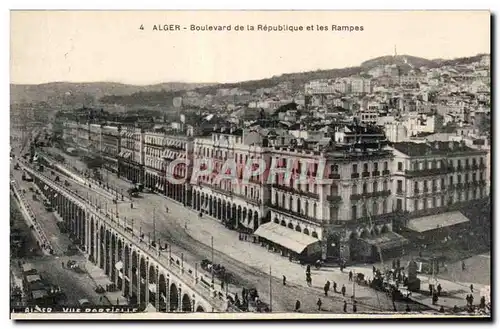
(87, 46)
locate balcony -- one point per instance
(356, 197)
(217, 189)
(375, 173)
(416, 191)
(334, 198)
(334, 176)
(292, 213)
(400, 192)
(355, 175)
(386, 172)
(427, 172)
(295, 191)
(365, 174)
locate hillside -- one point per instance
(69, 93)
(404, 61)
(165, 97)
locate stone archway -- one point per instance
(276, 220)
(290, 225)
(126, 268)
(298, 229)
(200, 309)
(135, 274)
(113, 257)
(186, 304)
(306, 231)
(102, 239)
(152, 285)
(283, 223)
(174, 298)
(143, 280)
(162, 290)
(314, 234)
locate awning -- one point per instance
(119, 265)
(387, 240)
(433, 222)
(285, 237)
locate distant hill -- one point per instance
(406, 62)
(69, 93)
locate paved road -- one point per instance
(75, 286)
(171, 228)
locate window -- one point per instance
(415, 187)
(467, 162)
(415, 205)
(375, 187)
(335, 168)
(365, 167)
(399, 204)
(426, 188)
(400, 185)
(298, 205)
(375, 166)
(386, 165)
(290, 203)
(283, 200)
(466, 178)
(375, 209)
(385, 185)
(354, 212)
(365, 188)
(354, 189)
(334, 190)
(442, 183)
(459, 163)
(459, 179)
(354, 168)
(434, 202)
(384, 206)
(451, 181)
(474, 177)
(400, 166)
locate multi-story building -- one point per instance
(110, 146)
(95, 138)
(355, 205)
(178, 148)
(83, 137)
(236, 203)
(435, 178)
(131, 156)
(70, 131)
(154, 166)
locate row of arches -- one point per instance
(229, 213)
(139, 278)
(160, 184)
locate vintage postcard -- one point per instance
(250, 164)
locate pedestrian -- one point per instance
(284, 280)
(308, 269)
(463, 266)
(319, 303)
(334, 286)
(350, 275)
(471, 287)
(441, 309)
(455, 309)
(430, 288)
(131, 205)
(374, 269)
(117, 301)
(326, 288)
(471, 300)
(354, 307)
(297, 306)
(439, 288)
(343, 290)
(408, 308)
(345, 306)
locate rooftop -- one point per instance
(433, 148)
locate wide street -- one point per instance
(74, 285)
(248, 262)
